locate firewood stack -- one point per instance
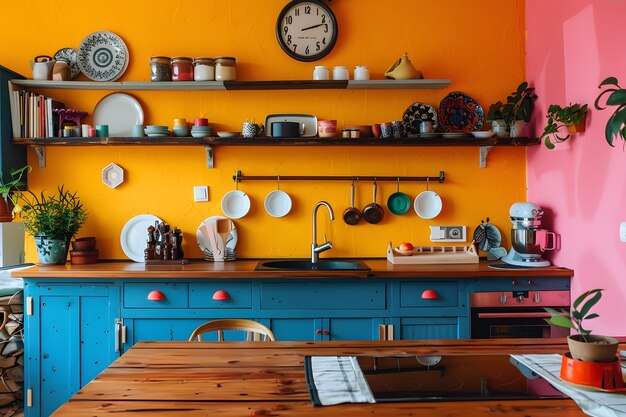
(12, 355)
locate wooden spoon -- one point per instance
(223, 229)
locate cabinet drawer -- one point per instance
(172, 295)
(416, 294)
(216, 295)
(321, 296)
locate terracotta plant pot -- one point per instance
(596, 349)
(5, 211)
(578, 127)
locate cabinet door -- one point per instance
(69, 339)
(295, 329)
(349, 328)
(422, 328)
(336, 328)
(11, 156)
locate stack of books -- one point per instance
(33, 115)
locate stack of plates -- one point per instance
(157, 131)
(201, 131)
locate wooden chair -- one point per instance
(255, 331)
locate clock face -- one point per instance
(306, 30)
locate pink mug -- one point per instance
(326, 128)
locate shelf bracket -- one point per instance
(41, 155)
(209, 156)
(484, 151)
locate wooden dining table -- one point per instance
(201, 379)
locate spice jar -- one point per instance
(182, 68)
(320, 73)
(225, 68)
(203, 69)
(160, 69)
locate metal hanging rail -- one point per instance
(238, 177)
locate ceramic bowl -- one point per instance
(483, 134)
(235, 204)
(366, 130)
(84, 257)
(427, 205)
(277, 203)
(404, 252)
(84, 243)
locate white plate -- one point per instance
(135, 234)
(204, 241)
(278, 203)
(309, 120)
(427, 204)
(102, 56)
(113, 175)
(121, 112)
(235, 204)
(483, 134)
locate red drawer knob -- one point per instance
(430, 294)
(325, 332)
(221, 295)
(318, 331)
(156, 295)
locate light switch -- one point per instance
(201, 193)
(622, 232)
(447, 233)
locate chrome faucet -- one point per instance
(315, 249)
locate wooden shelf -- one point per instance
(237, 85)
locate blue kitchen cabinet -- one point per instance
(336, 328)
(427, 328)
(70, 337)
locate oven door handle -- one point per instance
(520, 315)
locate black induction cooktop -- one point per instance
(452, 378)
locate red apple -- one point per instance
(406, 246)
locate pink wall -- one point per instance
(572, 45)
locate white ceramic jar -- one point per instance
(321, 73)
(341, 73)
(361, 72)
(225, 68)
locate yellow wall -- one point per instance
(479, 45)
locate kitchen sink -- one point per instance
(306, 265)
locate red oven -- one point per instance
(518, 314)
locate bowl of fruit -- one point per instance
(405, 249)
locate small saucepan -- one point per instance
(373, 213)
(352, 215)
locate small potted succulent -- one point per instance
(53, 221)
(584, 346)
(615, 126)
(11, 192)
(572, 117)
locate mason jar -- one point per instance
(182, 68)
(204, 69)
(160, 69)
(225, 68)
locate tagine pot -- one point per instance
(51, 251)
(595, 349)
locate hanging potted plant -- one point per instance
(572, 117)
(11, 193)
(615, 126)
(584, 346)
(518, 109)
(53, 221)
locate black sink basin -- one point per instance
(306, 265)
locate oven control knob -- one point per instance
(520, 299)
(503, 299)
(537, 298)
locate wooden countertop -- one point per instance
(380, 268)
(225, 379)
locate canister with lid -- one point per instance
(321, 73)
(160, 69)
(225, 68)
(361, 72)
(182, 68)
(341, 73)
(203, 69)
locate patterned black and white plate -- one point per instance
(417, 113)
(103, 56)
(68, 55)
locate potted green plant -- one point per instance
(572, 117)
(498, 124)
(615, 126)
(518, 109)
(53, 221)
(584, 346)
(11, 192)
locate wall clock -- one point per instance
(306, 30)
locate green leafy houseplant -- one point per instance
(616, 125)
(10, 189)
(59, 216)
(519, 104)
(559, 117)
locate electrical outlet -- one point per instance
(622, 232)
(200, 193)
(447, 233)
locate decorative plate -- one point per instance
(235, 204)
(135, 234)
(459, 113)
(113, 175)
(427, 205)
(69, 55)
(204, 240)
(121, 112)
(103, 56)
(417, 113)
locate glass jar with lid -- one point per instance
(160, 69)
(182, 68)
(203, 69)
(225, 68)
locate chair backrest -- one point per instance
(255, 331)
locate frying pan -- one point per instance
(398, 202)
(373, 212)
(352, 215)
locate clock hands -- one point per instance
(312, 27)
